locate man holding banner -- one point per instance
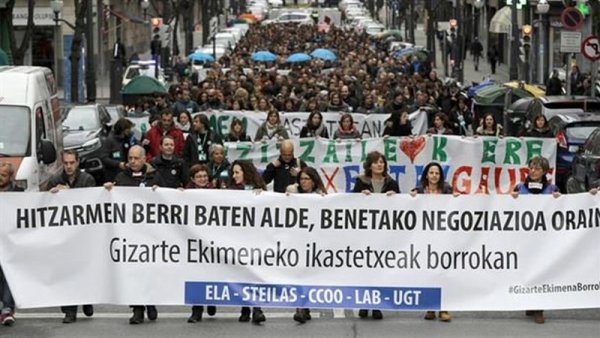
(283, 170)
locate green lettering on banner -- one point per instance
(222, 125)
(244, 149)
(349, 152)
(264, 153)
(511, 156)
(307, 146)
(331, 155)
(439, 153)
(534, 148)
(363, 150)
(212, 121)
(489, 151)
(389, 149)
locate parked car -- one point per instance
(571, 132)
(553, 105)
(514, 118)
(298, 17)
(116, 111)
(585, 170)
(84, 129)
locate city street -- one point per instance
(112, 321)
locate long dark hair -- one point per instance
(309, 121)
(373, 157)
(251, 176)
(314, 177)
(425, 181)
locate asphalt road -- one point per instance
(112, 321)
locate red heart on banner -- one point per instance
(412, 147)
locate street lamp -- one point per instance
(145, 5)
(542, 8)
(90, 67)
(478, 4)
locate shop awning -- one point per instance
(501, 21)
(126, 17)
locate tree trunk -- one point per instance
(17, 54)
(80, 10)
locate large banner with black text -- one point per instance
(428, 252)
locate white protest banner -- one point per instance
(482, 165)
(168, 247)
(369, 125)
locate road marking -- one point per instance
(339, 313)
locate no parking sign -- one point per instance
(590, 48)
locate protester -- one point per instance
(283, 170)
(314, 126)
(540, 127)
(116, 147)
(172, 169)
(244, 176)
(271, 128)
(489, 127)
(7, 310)
(375, 180)
(138, 174)
(308, 181)
(184, 103)
(237, 132)
(184, 123)
(153, 138)
(72, 177)
(347, 129)
(440, 125)
(537, 183)
(433, 182)
(461, 119)
(218, 166)
(398, 125)
(198, 143)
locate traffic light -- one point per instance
(526, 31)
(160, 31)
(155, 24)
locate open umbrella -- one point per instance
(143, 85)
(531, 89)
(391, 32)
(199, 56)
(325, 54)
(473, 90)
(495, 94)
(248, 17)
(298, 57)
(264, 56)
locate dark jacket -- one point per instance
(364, 182)
(320, 131)
(174, 172)
(114, 152)
(14, 188)
(534, 132)
(148, 177)
(191, 155)
(219, 174)
(239, 138)
(263, 131)
(281, 176)
(82, 180)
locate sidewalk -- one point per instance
(469, 66)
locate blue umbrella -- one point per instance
(325, 54)
(199, 56)
(473, 90)
(264, 56)
(299, 57)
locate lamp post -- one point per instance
(478, 4)
(513, 71)
(542, 8)
(145, 5)
(90, 74)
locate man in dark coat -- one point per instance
(72, 177)
(554, 85)
(172, 169)
(138, 174)
(283, 170)
(116, 146)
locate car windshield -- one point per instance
(583, 105)
(14, 131)
(82, 118)
(581, 132)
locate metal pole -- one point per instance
(594, 76)
(460, 32)
(541, 60)
(445, 53)
(90, 65)
(568, 75)
(514, 45)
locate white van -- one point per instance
(31, 128)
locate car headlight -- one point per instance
(91, 145)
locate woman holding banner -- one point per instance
(346, 130)
(272, 128)
(433, 182)
(537, 183)
(199, 179)
(314, 126)
(308, 181)
(375, 180)
(244, 176)
(237, 132)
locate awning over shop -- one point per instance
(126, 17)
(501, 21)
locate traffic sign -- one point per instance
(570, 42)
(213, 26)
(571, 18)
(590, 48)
